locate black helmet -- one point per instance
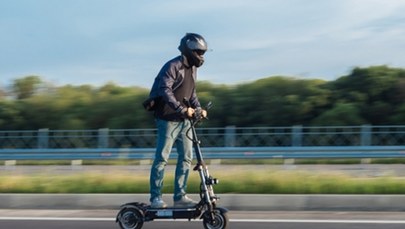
(193, 47)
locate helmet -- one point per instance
(193, 47)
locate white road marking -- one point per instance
(58, 218)
(349, 221)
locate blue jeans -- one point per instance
(171, 134)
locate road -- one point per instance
(103, 219)
(176, 225)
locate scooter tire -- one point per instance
(130, 218)
(221, 220)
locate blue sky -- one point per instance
(127, 41)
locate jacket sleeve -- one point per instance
(168, 78)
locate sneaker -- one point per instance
(185, 201)
(157, 202)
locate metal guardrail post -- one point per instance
(230, 138)
(297, 135)
(103, 135)
(366, 135)
(43, 138)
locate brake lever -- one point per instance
(208, 106)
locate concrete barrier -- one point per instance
(250, 202)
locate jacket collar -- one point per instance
(185, 61)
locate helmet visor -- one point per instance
(200, 52)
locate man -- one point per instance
(174, 84)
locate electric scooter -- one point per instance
(133, 215)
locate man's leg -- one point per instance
(185, 156)
(167, 133)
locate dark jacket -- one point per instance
(170, 77)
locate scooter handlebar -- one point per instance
(197, 116)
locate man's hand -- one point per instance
(200, 113)
(188, 112)
(204, 113)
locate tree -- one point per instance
(374, 95)
(278, 101)
(342, 114)
(374, 90)
(10, 116)
(399, 116)
(26, 87)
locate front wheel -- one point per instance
(130, 218)
(221, 220)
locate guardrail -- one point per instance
(230, 136)
(363, 141)
(209, 153)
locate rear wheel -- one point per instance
(130, 218)
(220, 221)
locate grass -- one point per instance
(234, 181)
(264, 181)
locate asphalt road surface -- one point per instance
(22, 219)
(68, 224)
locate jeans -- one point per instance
(172, 134)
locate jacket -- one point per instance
(169, 78)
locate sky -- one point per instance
(127, 41)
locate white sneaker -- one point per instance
(157, 202)
(185, 201)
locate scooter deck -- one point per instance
(165, 213)
(172, 213)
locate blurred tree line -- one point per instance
(373, 95)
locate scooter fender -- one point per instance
(221, 209)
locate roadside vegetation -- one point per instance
(373, 95)
(233, 180)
